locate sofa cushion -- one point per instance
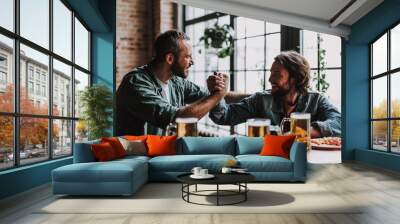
(277, 145)
(185, 163)
(206, 145)
(135, 137)
(257, 163)
(131, 158)
(116, 145)
(112, 171)
(134, 147)
(161, 145)
(103, 152)
(249, 145)
(93, 172)
(118, 177)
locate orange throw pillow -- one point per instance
(161, 145)
(103, 152)
(277, 145)
(134, 137)
(116, 145)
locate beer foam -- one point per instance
(256, 122)
(186, 120)
(300, 115)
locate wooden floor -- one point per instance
(378, 188)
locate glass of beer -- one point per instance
(186, 126)
(258, 127)
(300, 125)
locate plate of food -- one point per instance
(327, 143)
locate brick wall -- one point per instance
(138, 24)
(165, 16)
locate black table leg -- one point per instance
(188, 190)
(182, 190)
(217, 194)
(245, 193)
(185, 188)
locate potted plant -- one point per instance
(219, 38)
(96, 104)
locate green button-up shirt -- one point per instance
(141, 108)
(324, 116)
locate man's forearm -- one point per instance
(234, 97)
(200, 108)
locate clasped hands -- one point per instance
(217, 83)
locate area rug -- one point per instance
(167, 198)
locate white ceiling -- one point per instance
(320, 9)
(315, 15)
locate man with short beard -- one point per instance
(152, 96)
(290, 76)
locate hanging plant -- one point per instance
(219, 38)
(321, 84)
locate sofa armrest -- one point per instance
(83, 152)
(298, 155)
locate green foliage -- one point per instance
(96, 102)
(220, 38)
(320, 79)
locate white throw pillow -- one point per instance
(135, 147)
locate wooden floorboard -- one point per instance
(377, 189)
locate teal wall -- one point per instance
(99, 16)
(92, 13)
(103, 63)
(103, 51)
(24, 178)
(356, 85)
(103, 59)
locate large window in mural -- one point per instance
(44, 64)
(385, 96)
(256, 43)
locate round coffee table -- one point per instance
(238, 179)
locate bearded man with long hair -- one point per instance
(290, 77)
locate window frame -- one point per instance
(388, 74)
(245, 69)
(200, 19)
(318, 67)
(16, 115)
(232, 58)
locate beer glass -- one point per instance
(186, 126)
(300, 126)
(258, 127)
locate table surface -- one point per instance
(220, 178)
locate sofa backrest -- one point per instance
(83, 153)
(206, 145)
(249, 145)
(191, 146)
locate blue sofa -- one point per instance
(125, 176)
